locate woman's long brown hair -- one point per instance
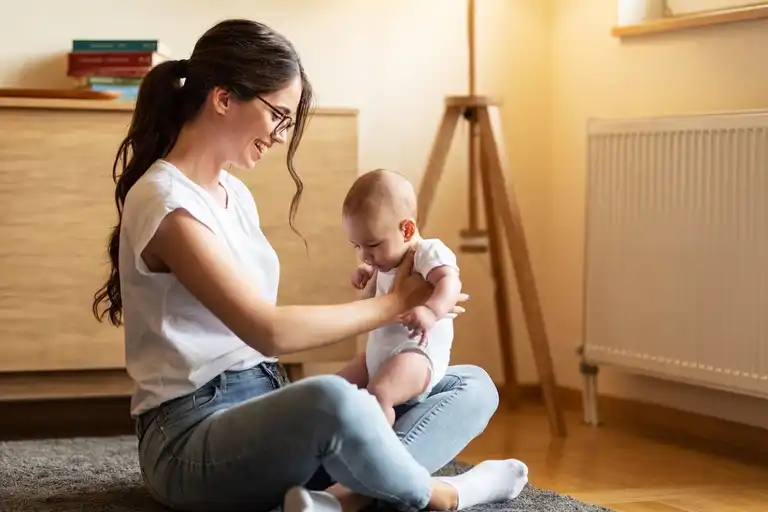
(246, 58)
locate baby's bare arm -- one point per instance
(447, 285)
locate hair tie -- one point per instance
(181, 68)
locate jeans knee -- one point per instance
(482, 392)
(334, 398)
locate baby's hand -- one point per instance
(361, 275)
(419, 320)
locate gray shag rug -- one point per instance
(101, 474)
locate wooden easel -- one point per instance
(500, 207)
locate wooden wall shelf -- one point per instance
(755, 12)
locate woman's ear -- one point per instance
(408, 228)
(220, 98)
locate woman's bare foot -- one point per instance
(335, 499)
(350, 501)
(444, 496)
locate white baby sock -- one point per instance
(491, 480)
(299, 499)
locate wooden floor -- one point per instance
(622, 470)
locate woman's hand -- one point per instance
(413, 290)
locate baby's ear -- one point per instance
(408, 229)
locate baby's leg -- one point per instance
(400, 378)
(355, 371)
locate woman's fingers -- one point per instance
(405, 267)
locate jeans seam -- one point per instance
(168, 418)
(333, 448)
(194, 463)
(167, 441)
(371, 492)
(151, 490)
(146, 481)
(171, 418)
(165, 420)
(273, 378)
(189, 462)
(418, 427)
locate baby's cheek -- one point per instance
(393, 255)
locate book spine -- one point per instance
(113, 71)
(105, 59)
(127, 92)
(104, 45)
(112, 80)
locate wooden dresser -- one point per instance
(56, 211)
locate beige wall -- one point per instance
(553, 63)
(395, 60)
(594, 74)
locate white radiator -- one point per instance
(676, 256)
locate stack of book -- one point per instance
(115, 66)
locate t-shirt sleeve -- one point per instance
(149, 205)
(431, 254)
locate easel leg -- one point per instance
(436, 162)
(509, 214)
(501, 292)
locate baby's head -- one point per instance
(379, 216)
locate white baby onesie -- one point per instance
(392, 339)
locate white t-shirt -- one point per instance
(430, 254)
(174, 344)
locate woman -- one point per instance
(194, 283)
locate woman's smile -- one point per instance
(260, 146)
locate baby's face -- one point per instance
(380, 240)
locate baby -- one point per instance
(402, 361)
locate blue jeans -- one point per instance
(242, 440)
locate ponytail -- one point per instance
(157, 120)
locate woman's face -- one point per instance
(251, 127)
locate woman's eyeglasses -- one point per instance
(285, 123)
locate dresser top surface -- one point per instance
(115, 106)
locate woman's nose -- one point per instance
(280, 138)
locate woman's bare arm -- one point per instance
(195, 256)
